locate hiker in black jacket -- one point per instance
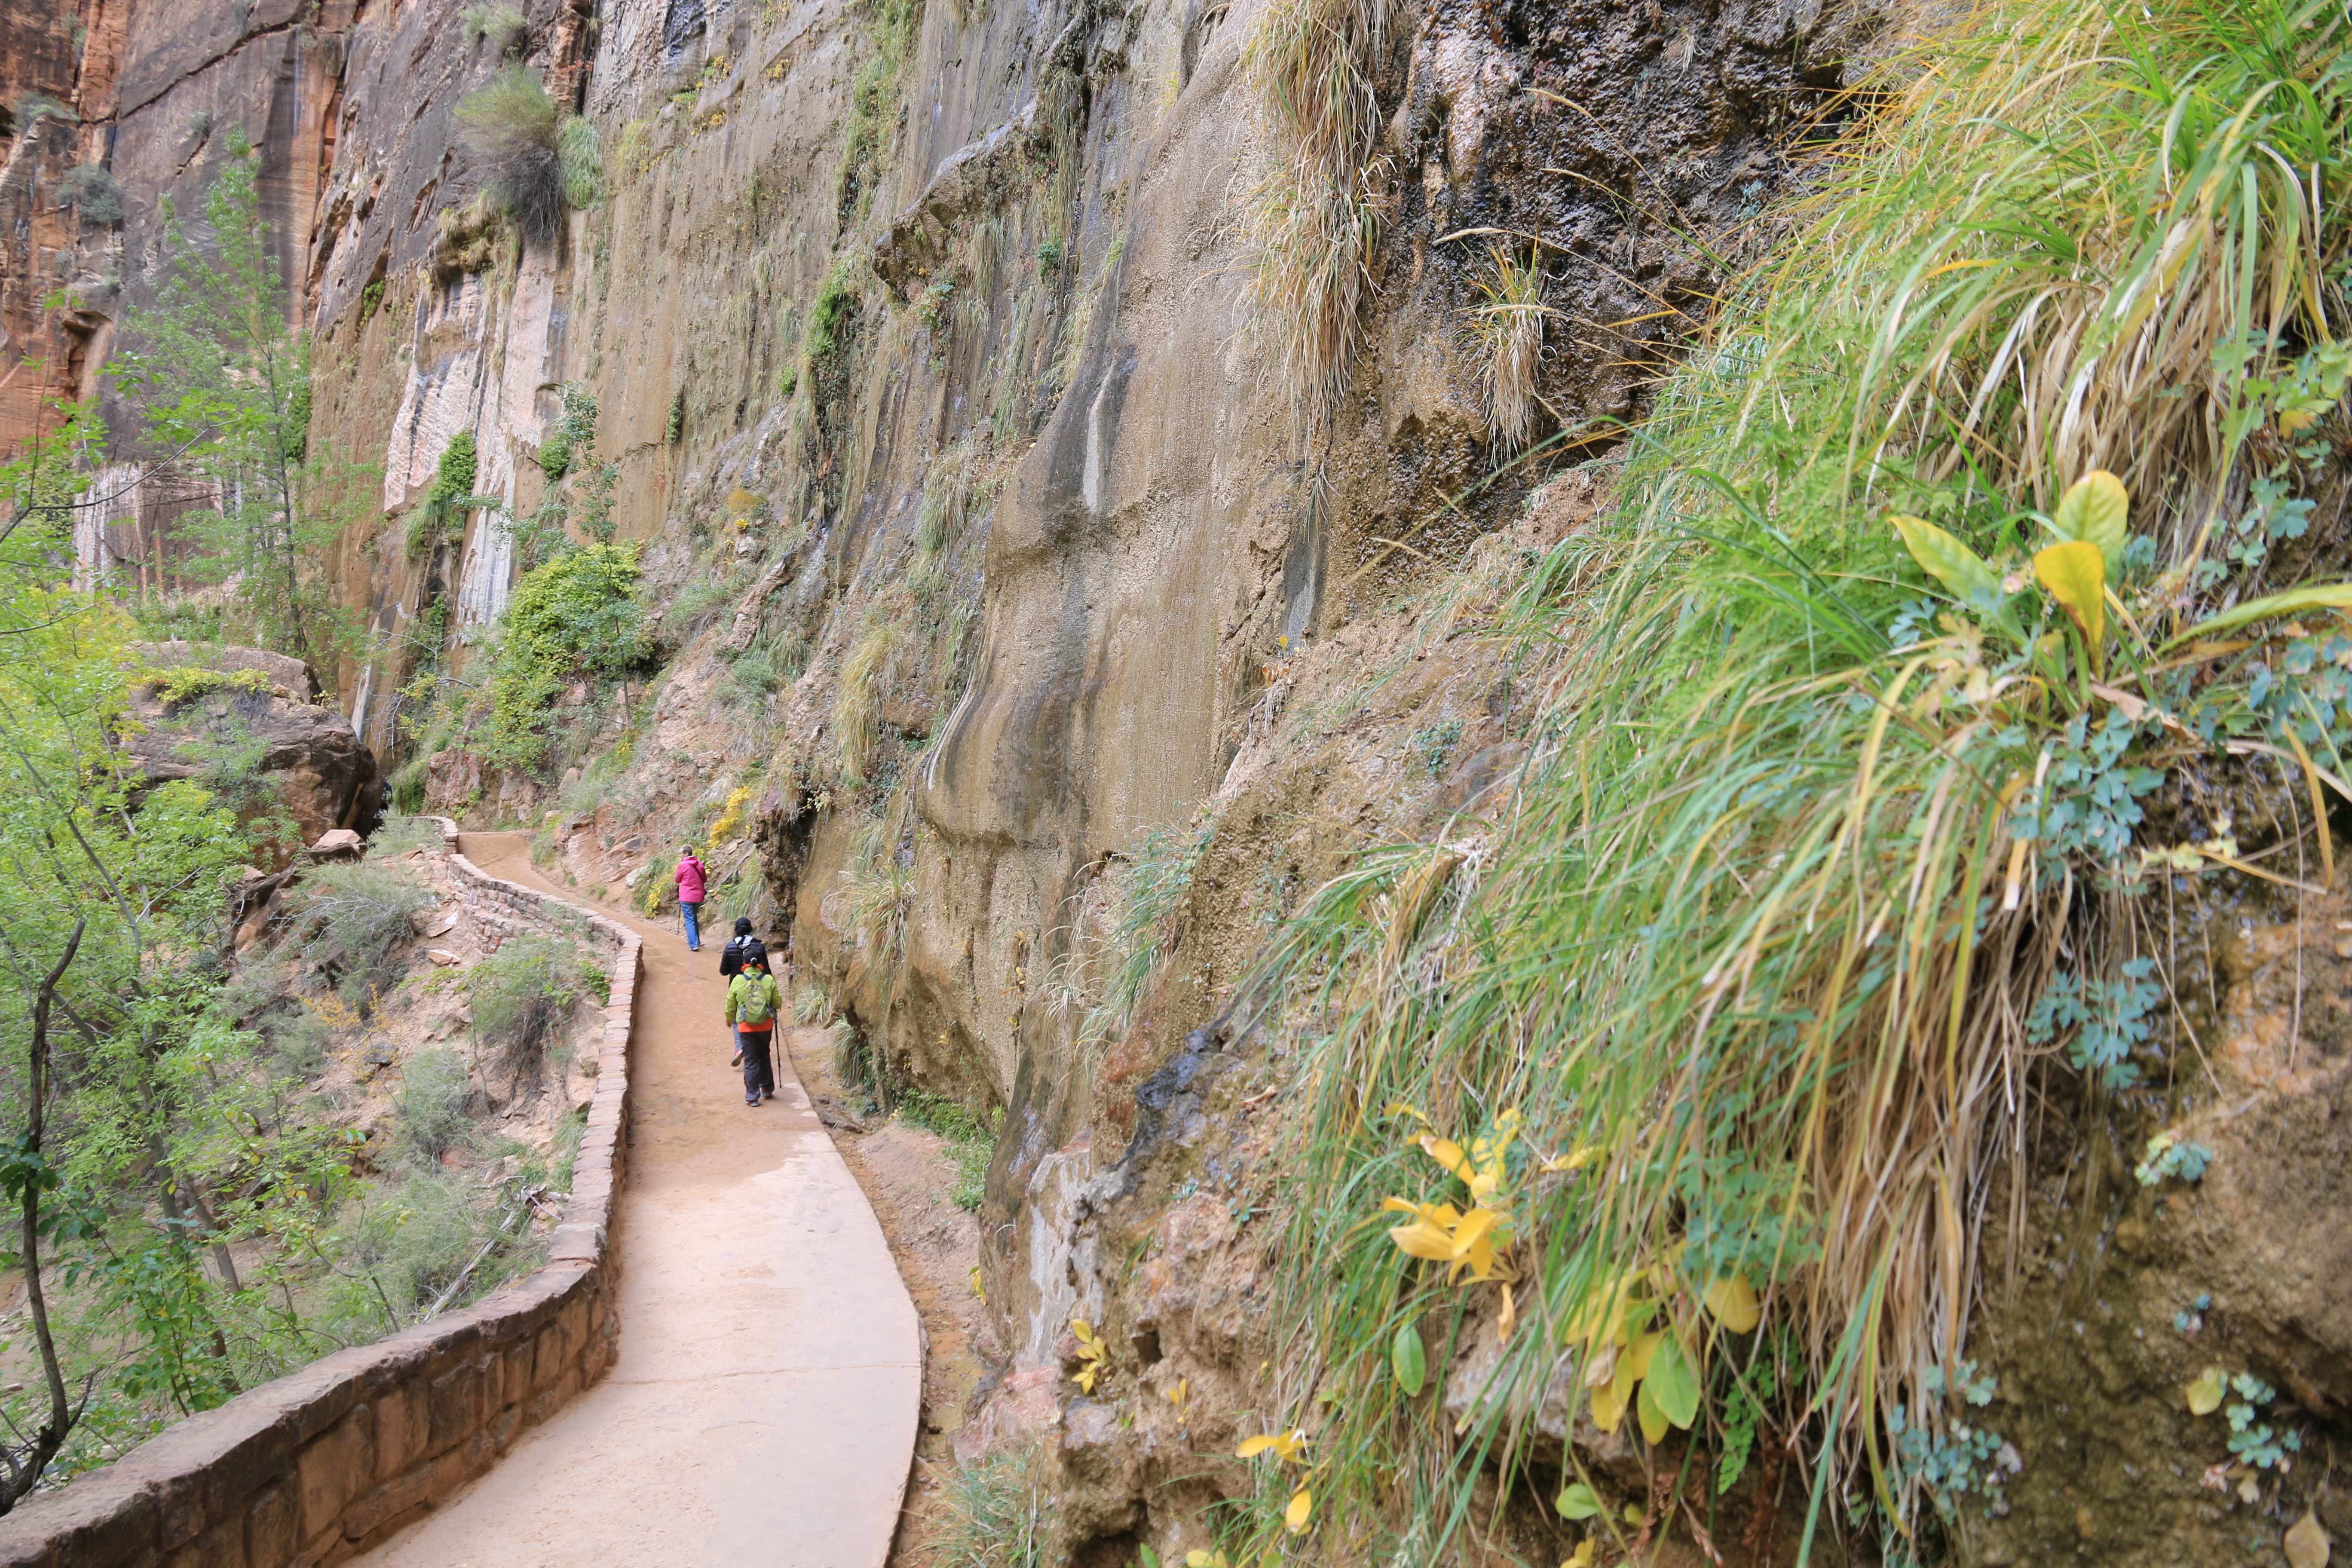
(743, 945)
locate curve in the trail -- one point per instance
(763, 1409)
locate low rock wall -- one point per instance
(318, 1465)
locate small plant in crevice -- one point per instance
(873, 105)
(2166, 1158)
(1954, 1459)
(1315, 220)
(2107, 1020)
(1429, 750)
(859, 1066)
(2255, 1445)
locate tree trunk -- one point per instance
(24, 1466)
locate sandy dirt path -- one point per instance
(763, 1409)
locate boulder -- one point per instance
(306, 754)
(338, 844)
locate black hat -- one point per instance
(742, 925)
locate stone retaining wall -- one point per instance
(318, 1465)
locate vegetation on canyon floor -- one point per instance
(195, 1206)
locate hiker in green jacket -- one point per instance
(753, 1000)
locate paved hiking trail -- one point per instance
(762, 1408)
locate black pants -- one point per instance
(759, 1070)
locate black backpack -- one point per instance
(739, 952)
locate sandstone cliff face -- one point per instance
(922, 341)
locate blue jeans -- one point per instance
(693, 926)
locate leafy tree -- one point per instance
(221, 373)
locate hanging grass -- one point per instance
(1314, 219)
(1705, 1062)
(1509, 327)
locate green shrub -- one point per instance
(355, 920)
(570, 616)
(571, 438)
(440, 518)
(400, 834)
(521, 993)
(408, 1243)
(430, 1106)
(93, 193)
(406, 786)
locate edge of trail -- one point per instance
(764, 1402)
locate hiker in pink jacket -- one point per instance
(690, 897)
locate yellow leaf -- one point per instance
(1448, 1153)
(2096, 510)
(2076, 576)
(1083, 1329)
(1474, 1226)
(1424, 1240)
(1733, 1302)
(1282, 1444)
(1085, 1376)
(2205, 1393)
(1601, 1366)
(1639, 1354)
(1609, 1400)
(2294, 422)
(1510, 1317)
(1603, 1316)
(2307, 1542)
(1579, 1558)
(1302, 1505)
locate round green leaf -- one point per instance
(1577, 1500)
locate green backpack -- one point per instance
(758, 1003)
